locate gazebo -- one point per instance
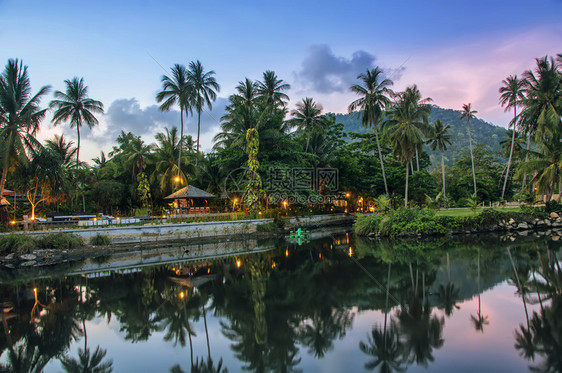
(190, 200)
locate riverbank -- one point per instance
(417, 222)
(157, 236)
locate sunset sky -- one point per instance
(456, 52)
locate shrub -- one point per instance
(552, 206)
(99, 240)
(17, 243)
(59, 241)
(267, 227)
(367, 224)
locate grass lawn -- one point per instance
(465, 211)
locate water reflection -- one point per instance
(387, 308)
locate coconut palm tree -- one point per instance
(542, 106)
(404, 126)
(374, 98)
(75, 106)
(205, 89)
(439, 139)
(468, 113)
(165, 156)
(176, 89)
(136, 154)
(479, 320)
(58, 145)
(511, 95)
(20, 117)
(546, 165)
(271, 90)
(307, 117)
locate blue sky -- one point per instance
(456, 52)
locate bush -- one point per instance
(552, 206)
(367, 224)
(100, 240)
(59, 241)
(267, 227)
(17, 243)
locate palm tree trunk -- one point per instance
(417, 160)
(78, 145)
(198, 133)
(520, 286)
(406, 192)
(3, 181)
(380, 158)
(386, 303)
(206, 333)
(181, 141)
(471, 155)
(510, 153)
(443, 172)
(526, 160)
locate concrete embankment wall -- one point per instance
(188, 231)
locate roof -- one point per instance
(190, 192)
(7, 192)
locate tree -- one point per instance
(307, 117)
(374, 98)
(75, 106)
(167, 150)
(439, 139)
(20, 117)
(175, 88)
(270, 90)
(468, 113)
(205, 89)
(404, 127)
(511, 94)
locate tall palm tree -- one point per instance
(468, 113)
(511, 94)
(136, 153)
(75, 106)
(175, 88)
(271, 89)
(166, 154)
(308, 117)
(374, 98)
(20, 116)
(58, 145)
(205, 89)
(542, 106)
(404, 127)
(439, 139)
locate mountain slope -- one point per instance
(482, 133)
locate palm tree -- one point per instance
(511, 95)
(75, 106)
(374, 98)
(307, 117)
(136, 154)
(404, 127)
(175, 88)
(468, 113)
(166, 153)
(543, 96)
(270, 90)
(20, 116)
(547, 167)
(480, 320)
(205, 89)
(88, 363)
(63, 149)
(439, 139)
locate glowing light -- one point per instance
(182, 294)
(285, 204)
(238, 263)
(350, 252)
(274, 265)
(287, 253)
(259, 213)
(208, 270)
(95, 219)
(13, 222)
(118, 218)
(177, 179)
(347, 195)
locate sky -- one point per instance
(457, 52)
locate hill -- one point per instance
(482, 133)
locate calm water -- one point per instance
(452, 306)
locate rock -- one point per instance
(557, 224)
(9, 256)
(555, 238)
(524, 233)
(511, 221)
(554, 215)
(11, 266)
(29, 263)
(523, 226)
(28, 257)
(512, 238)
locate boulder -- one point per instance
(523, 226)
(28, 257)
(554, 215)
(511, 221)
(555, 238)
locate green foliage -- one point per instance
(367, 224)
(267, 227)
(552, 206)
(22, 243)
(17, 243)
(100, 240)
(472, 202)
(382, 204)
